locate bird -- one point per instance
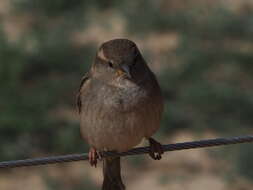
(120, 103)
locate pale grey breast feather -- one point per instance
(121, 97)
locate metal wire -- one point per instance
(134, 151)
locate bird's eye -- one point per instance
(135, 61)
(110, 64)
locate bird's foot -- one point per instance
(94, 155)
(156, 149)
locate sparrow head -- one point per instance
(119, 58)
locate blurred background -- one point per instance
(201, 51)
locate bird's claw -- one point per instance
(94, 155)
(156, 149)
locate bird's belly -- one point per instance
(115, 132)
(119, 119)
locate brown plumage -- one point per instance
(120, 103)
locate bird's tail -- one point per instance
(112, 176)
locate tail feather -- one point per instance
(112, 174)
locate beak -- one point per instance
(124, 69)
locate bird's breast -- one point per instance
(118, 113)
(124, 98)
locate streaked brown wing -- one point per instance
(78, 99)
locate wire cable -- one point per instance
(134, 151)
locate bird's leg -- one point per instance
(156, 149)
(94, 155)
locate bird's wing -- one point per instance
(78, 99)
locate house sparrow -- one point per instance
(120, 103)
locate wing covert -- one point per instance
(78, 99)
